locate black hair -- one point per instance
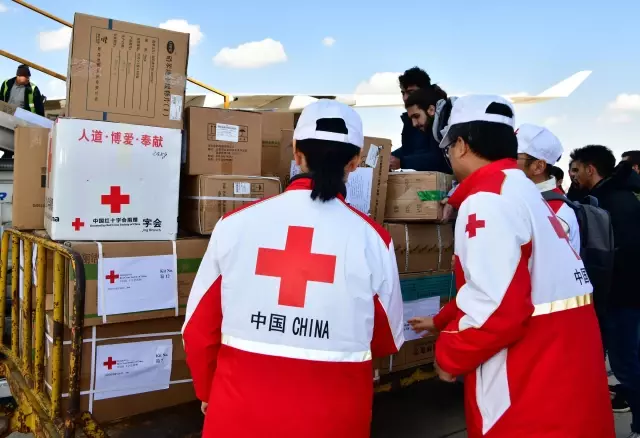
(489, 140)
(598, 156)
(416, 77)
(425, 97)
(326, 161)
(633, 157)
(556, 172)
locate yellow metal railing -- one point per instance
(225, 96)
(24, 364)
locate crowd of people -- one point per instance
(545, 282)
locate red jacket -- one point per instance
(292, 301)
(522, 329)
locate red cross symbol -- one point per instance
(77, 224)
(110, 363)
(115, 199)
(557, 227)
(112, 277)
(296, 265)
(473, 224)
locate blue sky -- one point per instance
(494, 46)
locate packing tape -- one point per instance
(91, 392)
(222, 198)
(439, 246)
(406, 255)
(175, 274)
(117, 338)
(100, 288)
(92, 382)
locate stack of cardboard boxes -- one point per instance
(112, 176)
(424, 252)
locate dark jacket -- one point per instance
(419, 150)
(38, 104)
(617, 195)
(575, 193)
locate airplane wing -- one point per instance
(296, 102)
(291, 102)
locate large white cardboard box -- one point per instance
(112, 181)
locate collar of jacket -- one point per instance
(303, 181)
(470, 184)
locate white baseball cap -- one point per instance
(313, 120)
(477, 108)
(539, 142)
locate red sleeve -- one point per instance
(447, 314)
(201, 332)
(388, 321)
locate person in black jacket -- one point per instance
(21, 92)
(419, 150)
(575, 193)
(615, 188)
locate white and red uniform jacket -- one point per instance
(292, 301)
(567, 216)
(522, 329)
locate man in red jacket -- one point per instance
(522, 329)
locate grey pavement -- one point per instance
(433, 409)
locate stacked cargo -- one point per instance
(424, 252)
(106, 182)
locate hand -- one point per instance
(203, 408)
(443, 375)
(394, 163)
(448, 212)
(424, 326)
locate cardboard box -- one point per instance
(125, 72)
(206, 198)
(413, 353)
(422, 247)
(137, 367)
(416, 196)
(29, 177)
(112, 181)
(7, 108)
(223, 142)
(272, 125)
(131, 281)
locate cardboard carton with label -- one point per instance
(222, 142)
(416, 196)
(206, 198)
(29, 177)
(125, 72)
(422, 247)
(112, 181)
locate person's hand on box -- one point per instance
(394, 163)
(443, 375)
(424, 326)
(204, 407)
(448, 212)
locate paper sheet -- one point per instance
(137, 284)
(359, 189)
(226, 132)
(424, 307)
(132, 368)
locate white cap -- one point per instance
(477, 108)
(308, 126)
(539, 142)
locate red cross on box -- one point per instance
(115, 199)
(110, 363)
(296, 265)
(112, 277)
(77, 224)
(473, 224)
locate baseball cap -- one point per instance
(476, 108)
(327, 119)
(539, 142)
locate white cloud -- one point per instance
(328, 41)
(3, 8)
(626, 102)
(254, 54)
(55, 39)
(54, 89)
(180, 25)
(554, 121)
(380, 83)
